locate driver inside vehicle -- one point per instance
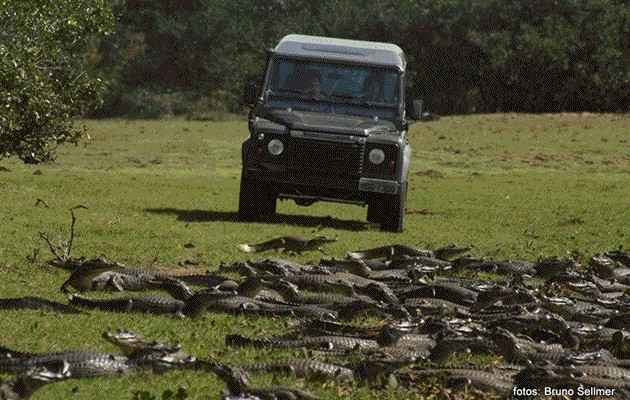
(314, 83)
(373, 87)
(303, 80)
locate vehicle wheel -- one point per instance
(256, 200)
(389, 210)
(375, 210)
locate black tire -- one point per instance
(375, 210)
(388, 210)
(256, 200)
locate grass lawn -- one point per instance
(164, 194)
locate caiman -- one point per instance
(89, 363)
(532, 323)
(518, 350)
(379, 366)
(321, 327)
(289, 244)
(100, 275)
(327, 343)
(391, 252)
(36, 303)
(361, 307)
(499, 381)
(148, 304)
(238, 384)
(196, 304)
(577, 310)
(339, 281)
(551, 266)
(392, 339)
(292, 294)
(24, 385)
(233, 303)
(403, 270)
(620, 256)
(155, 355)
(452, 293)
(448, 343)
(81, 363)
(273, 266)
(606, 268)
(433, 306)
(402, 251)
(388, 275)
(303, 368)
(508, 267)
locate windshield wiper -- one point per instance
(303, 94)
(286, 91)
(356, 98)
(341, 95)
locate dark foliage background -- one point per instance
(193, 57)
(47, 75)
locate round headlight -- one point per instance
(275, 147)
(376, 156)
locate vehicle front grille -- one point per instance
(322, 155)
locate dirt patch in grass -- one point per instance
(431, 173)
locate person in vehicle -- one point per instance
(373, 87)
(304, 80)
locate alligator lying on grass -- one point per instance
(289, 244)
(238, 384)
(101, 275)
(36, 303)
(90, 363)
(197, 304)
(394, 340)
(25, 384)
(303, 368)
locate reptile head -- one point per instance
(506, 343)
(175, 287)
(380, 292)
(161, 357)
(125, 340)
(26, 384)
(236, 378)
(285, 287)
(603, 265)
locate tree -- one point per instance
(46, 79)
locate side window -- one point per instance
(279, 74)
(390, 86)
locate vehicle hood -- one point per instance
(333, 123)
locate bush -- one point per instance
(45, 75)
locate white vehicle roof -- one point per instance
(376, 53)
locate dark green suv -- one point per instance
(329, 124)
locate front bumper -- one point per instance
(293, 185)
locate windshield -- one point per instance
(321, 86)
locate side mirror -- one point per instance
(416, 110)
(250, 94)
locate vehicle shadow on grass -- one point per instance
(232, 216)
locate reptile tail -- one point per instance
(238, 340)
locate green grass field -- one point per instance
(163, 195)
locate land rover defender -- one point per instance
(329, 123)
